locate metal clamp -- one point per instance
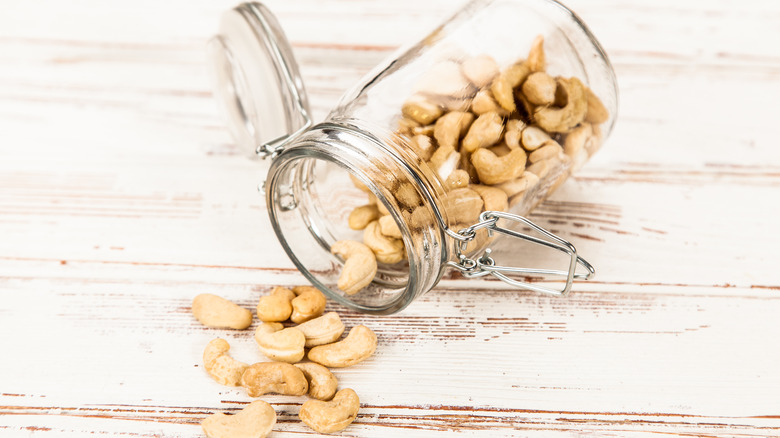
(486, 265)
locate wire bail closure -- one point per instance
(486, 265)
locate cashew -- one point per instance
(274, 377)
(406, 126)
(358, 346)
(279, 343)
(576, 139)
(458, 179)
(422, 146)
(485, 131)
(444, 161)
(323, 330)
(254, 421)
(426, 130)
(308, 304)
(539, 88)
(383, 211)
(504, 84)
(540, 168)
(217, 312)
(537, 61)
(322, 383)
(389, 227)
(359, 184)
(597, 112)
(421, 110)
(534, 138)
(514, 129)
(480, 70)
(462, 206)
(500, 149)
(407, 195)
(451, 127)
(495, 170)
(518, 185)
(387, 249)
(494, 199)
(332, 416)
(220, 366)
(484, 103)
(464, 163)
(550, 149)
(563, 119)
(359, 265)
(276, 306)
(361, 216)
(444, 79)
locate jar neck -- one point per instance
(381, 161)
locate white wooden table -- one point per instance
(122, 197)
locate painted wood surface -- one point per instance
(122, 197)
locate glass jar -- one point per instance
(444, 145)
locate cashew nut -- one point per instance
(480, 70)
(597, 112)
(540, 168)
(387, 249)
(451, 127)
(484, 103)
(217, 312)
(308, 304)
(534, 138)
(444, 79)
(518, 185)
(220, 366)
(495, 170)
(485, 131)
(444, 161)
(322, 383)
(407, 195)
(576, 139)
(550, 149)
(504, 84)
(500, 149)
(553, 119)
(279, 343)
(254, 421)
(359, 184)
(332, 416)
(462, 206)
(361, 216)
(323, 330)
(358, 346)
(359, 265)
(539, 88)
(276, 306)
(422, 146)
(537, 61)
(494, 199)
(274, 377)
(389, 227)
(421, 110)
(458, 179)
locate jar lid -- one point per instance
(257, 78)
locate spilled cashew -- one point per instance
(279, 343)
(495, 170)
(309, 303)
(386, 249)
(276, 306)
(332, 416)
(362, 216)
(274, 377)
(220, 366)
(323, 330)
(322, 383)
(389, 227)
(359, 265)
(358, 346)
(217, 312)
(254, 421)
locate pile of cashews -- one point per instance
(493, 137)
(329, 411)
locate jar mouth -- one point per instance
(310, 196)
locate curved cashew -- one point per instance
(389, 227)
(387, 249)
(322, 383)
(576, 139)
(563, 119)
(332, 416)
(539, 89)
(323, 330)
(407, 195)
(500, 150)
(540, 168)
(504, 84)
(462, 206)
(223, 368)
(480, 70)
(597, 112)
(358, 346)
(551, 149)
(514, 130)
(275, 307)
(518, 185)
(451, 127)
(359, 265)
(484, 102)
(537, 61)
(217, 312)
(485, 131)
(274, 377)
(279, 343)
(534, 138)
(421, 110)
(362, 216)
(495, 170)
(494, 199)
(308, 304)
(457, 179)
(254, 421)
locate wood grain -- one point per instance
(122, 196)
